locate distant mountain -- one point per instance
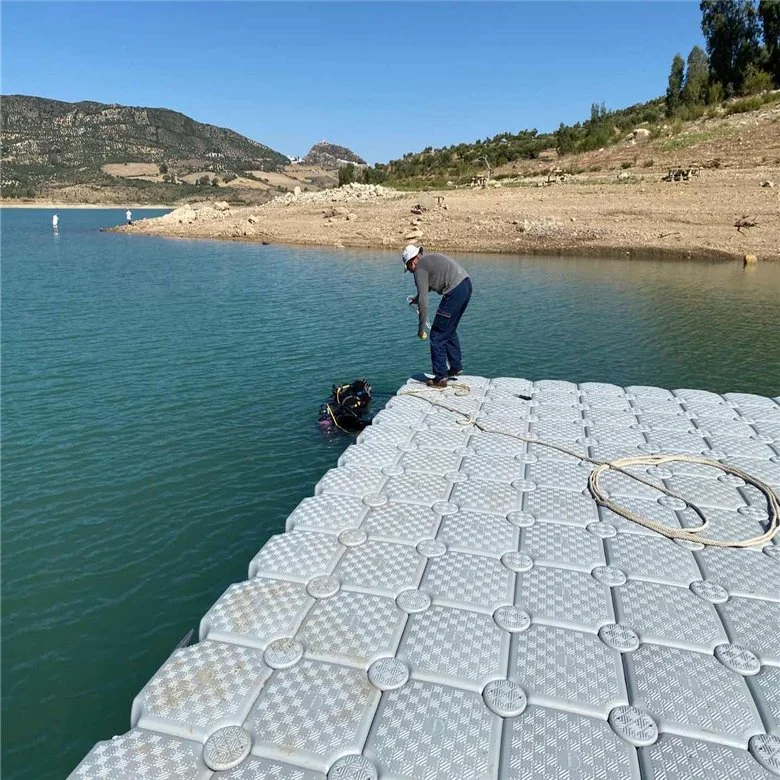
(42, 131)
(50, 142)
(331, 156)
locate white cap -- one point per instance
(409, 253)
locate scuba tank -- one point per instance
(346, 406)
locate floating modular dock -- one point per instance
(454, 604)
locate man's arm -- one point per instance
(421, 280)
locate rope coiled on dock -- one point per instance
(621, 465)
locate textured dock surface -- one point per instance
(454, 604)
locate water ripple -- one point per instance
(159, 404)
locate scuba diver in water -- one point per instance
(344, 411)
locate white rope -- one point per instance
(621, 464)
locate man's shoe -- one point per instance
(452, 374)
(437, 382)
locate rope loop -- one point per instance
(622, 465)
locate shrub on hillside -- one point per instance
(346, 174)
(689, 113)
(744, 105)
(756, 81)
(715, 93)
(375, 175)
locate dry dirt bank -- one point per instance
(638, 216)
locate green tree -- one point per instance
(163, 168)
(731, 30)
(346, 174)
(675, 87)
(565, 139)
(598, 113)
(715, 94)
(756, 81)
(375, 175)
(769, 11)
(697, 76)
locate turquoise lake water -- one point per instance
(159, 403)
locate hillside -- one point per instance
(56, 149)
(637, 135)
(609, 201)
(331, 156)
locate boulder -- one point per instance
(749, 260)
(417, 233)
(184, 214)
(222, 205)
(638, 135)
(297, 191)
(767, 183)
(337, 211)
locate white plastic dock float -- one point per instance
(454, 603)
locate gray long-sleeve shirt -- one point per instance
(438, 273)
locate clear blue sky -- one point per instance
(381, 78)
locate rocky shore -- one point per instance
(631, 215)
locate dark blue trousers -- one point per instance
(445, 346)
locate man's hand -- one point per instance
(422, 335)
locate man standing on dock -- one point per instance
(440, 274)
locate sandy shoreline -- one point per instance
(638, 217)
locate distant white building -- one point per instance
(294, 160)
